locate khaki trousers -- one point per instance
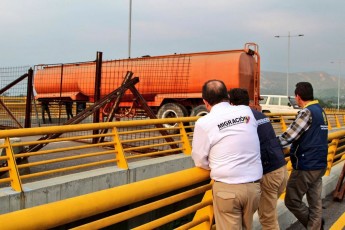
(273, 185)
(235, 204)
(307, 183)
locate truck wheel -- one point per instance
(200, 110)
(172, 110)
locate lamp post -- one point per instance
(130, 29)
(289, 36)
(339, 70)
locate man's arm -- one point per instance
(200, 148)
(296, 128)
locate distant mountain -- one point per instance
(325, 85)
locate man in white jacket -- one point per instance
(225, 141)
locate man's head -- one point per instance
(239, 96)
(304, 90)
(214, 92)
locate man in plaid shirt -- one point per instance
(308, 154)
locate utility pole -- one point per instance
(288, 58)
(339, 72)
(130, 29)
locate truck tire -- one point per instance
(200, 110)
(172, 110)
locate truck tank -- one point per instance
(171, 84)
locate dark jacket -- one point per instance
(272, 156)
(310, 151)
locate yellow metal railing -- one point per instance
(78, 208)
(125, 141)
(336, 117)
(191, 182)
(281, 121)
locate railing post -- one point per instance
(337, 120)
(332, 150)
(185, 141)
(120, 156)
(288, 167)
(283, 124)
(16, 183)
(29, 93)
(329, 124)
(98, 83)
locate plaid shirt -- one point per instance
(296, 128)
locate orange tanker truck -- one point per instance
(170, 84)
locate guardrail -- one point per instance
(183, 184)
(125, 141)
(281, 121)
(80, 207)
(57, 110)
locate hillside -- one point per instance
(325, 85)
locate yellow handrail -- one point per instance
(76, 208)
(125, 142)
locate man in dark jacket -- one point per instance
(275, 176)
(308, 153)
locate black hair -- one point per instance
(305, 91)
(214, 91)
(239, 96)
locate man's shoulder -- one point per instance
(206, 120)
(258, 114)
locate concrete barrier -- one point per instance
(55, 189)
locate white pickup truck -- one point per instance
(278, 104)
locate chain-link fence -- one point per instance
(13, 97)
(62, 91)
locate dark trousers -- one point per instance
(45, 109)
(307, 183)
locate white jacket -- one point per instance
(226, 142)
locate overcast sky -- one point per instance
(60, 31)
